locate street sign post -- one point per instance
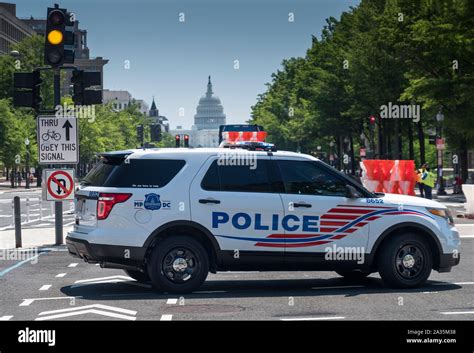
(59, 185)
(57, 140)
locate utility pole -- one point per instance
(58, 205)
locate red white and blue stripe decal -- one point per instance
(335, 224)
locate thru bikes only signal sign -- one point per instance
(57, 140)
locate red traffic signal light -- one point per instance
(372, 120)
(178, 140)
(186, 140)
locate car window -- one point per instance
(239, 178)
(211, 179)
(307, 178)
(140, 173)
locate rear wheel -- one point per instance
(354, 275)
(178, 264)
(405, 261)
(139, 276)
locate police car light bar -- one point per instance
(249, 140)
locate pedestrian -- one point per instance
(428, 179)
(19, 178)
(419, 181)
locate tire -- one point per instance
(405, 261)
(139, 276)
(354, 275)
(178, 264)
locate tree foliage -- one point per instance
(381, 51)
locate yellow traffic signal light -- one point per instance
(55, 37)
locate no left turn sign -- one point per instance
(59, 184)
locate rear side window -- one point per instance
(237, 178)
(138, 173)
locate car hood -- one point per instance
(411, 201)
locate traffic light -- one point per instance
(177, 141)
(140, 133)
(27, 89)
(81, 81)
(155, 132)
(59, 37)
(372, 121)
(186, 140)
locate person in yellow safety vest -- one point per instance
(419, 172)
(428, 180)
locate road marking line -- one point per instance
(27, 302)
(166, 317)
(100, 306)
(5, 317)
(74, 264)
(456, 312)
(464, 225)
(59, 275)
(45, 287)
(314, 318)
(5, 271)
(172, 301)
(91, 311)
(122, 278)
(456, 283)
(467, 236)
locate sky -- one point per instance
(171, 59)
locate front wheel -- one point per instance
(178, 264)
(405, 261)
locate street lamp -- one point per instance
(440, 119)
(27, 174)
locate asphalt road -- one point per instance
(58, 286)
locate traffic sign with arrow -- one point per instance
(58, 140)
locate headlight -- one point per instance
(444, 213)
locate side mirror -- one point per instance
(351, 192)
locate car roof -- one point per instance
(151, 153)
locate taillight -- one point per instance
(107, 201)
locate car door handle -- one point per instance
(209, 201)
(302, 204)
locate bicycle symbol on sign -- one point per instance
(53, 135)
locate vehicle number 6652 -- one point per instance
(374, 201)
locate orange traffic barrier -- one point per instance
(389, 176)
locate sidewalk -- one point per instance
(5, 187)
(32, 237)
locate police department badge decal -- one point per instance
(152, 202)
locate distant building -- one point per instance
(209, 112)
(12, 29)
(209, 115)
(154, 114)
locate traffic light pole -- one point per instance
(58, 205)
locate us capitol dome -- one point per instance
(209, 112)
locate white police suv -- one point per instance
(170, 216)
